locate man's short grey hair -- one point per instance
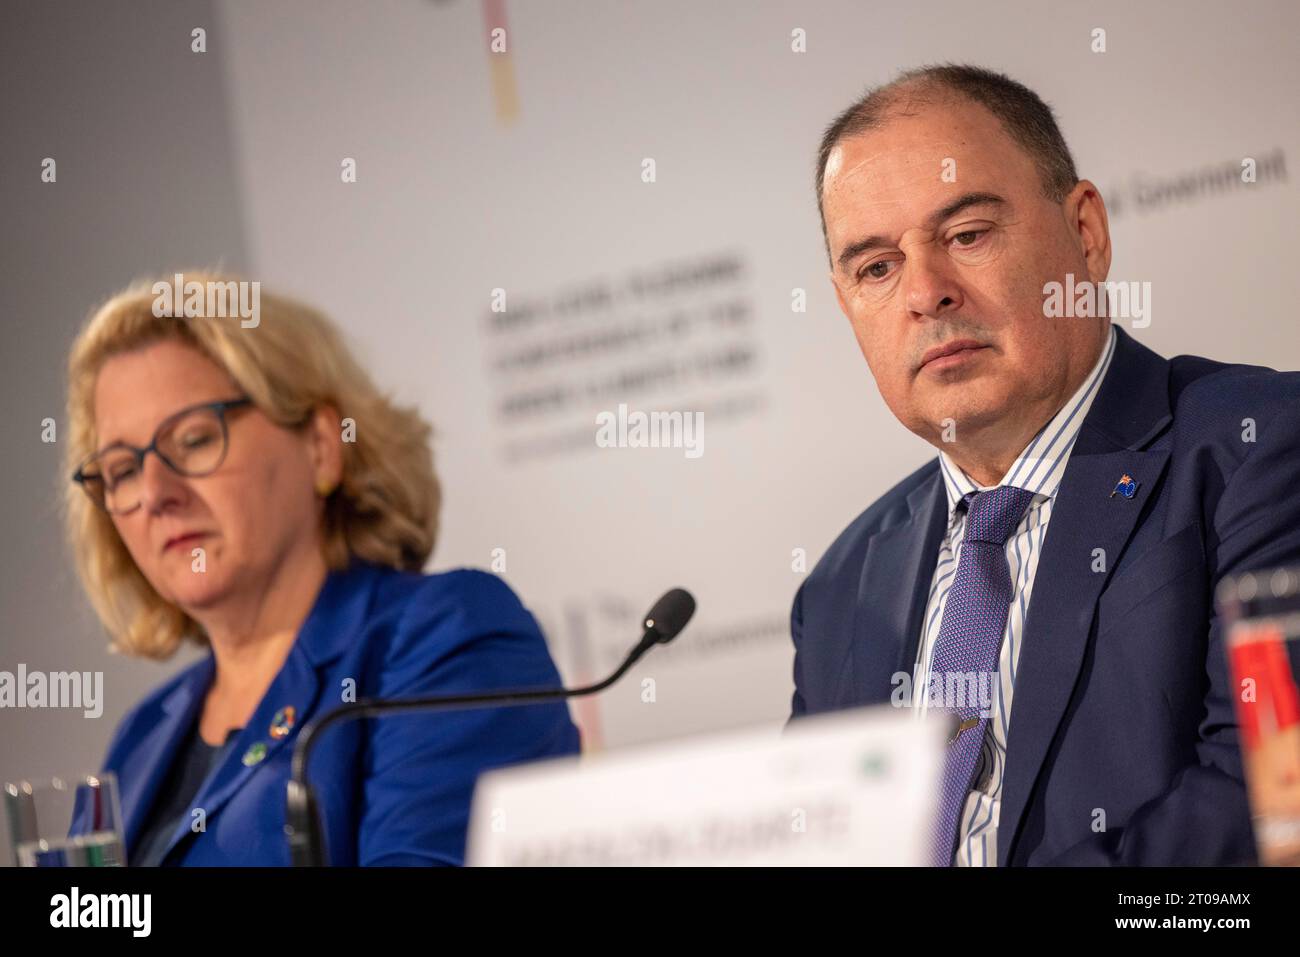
(1023, 114)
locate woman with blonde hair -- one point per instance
(245, 487)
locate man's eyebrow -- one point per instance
(965, 201)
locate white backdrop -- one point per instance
(452, 202)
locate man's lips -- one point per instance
(184, 539)
(950, 348)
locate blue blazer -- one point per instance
(393, 790)
(1123, 700)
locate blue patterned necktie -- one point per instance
(969, 642)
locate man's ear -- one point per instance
(1086, 217)
(325, 437)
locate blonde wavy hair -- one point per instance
(384, 511)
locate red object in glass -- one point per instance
(1259, 654)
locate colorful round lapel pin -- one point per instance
(254, 754)
(283, 721)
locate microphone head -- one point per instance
(670, 614)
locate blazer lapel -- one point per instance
(337, 616)
(887, 621)
(296, 686)
(1131, 408)
(141, 778)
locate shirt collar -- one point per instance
(1041, 464)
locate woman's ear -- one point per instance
(325, 439)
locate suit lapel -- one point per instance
(1131, 408)
(887, 623)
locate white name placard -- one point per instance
(851, 788)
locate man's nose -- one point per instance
(930, 283)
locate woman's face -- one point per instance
(201, 541)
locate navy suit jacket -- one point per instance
(1123, 701)
(392, 790)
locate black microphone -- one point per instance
(662, 623)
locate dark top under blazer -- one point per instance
(193, 762)
(393, 790)
(1123, 701)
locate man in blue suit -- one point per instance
(1047, 582)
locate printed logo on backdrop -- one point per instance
(633, 361)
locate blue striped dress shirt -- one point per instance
(1038, 469)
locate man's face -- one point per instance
(913, 273)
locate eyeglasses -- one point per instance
(192, 442)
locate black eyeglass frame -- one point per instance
(81, 477)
